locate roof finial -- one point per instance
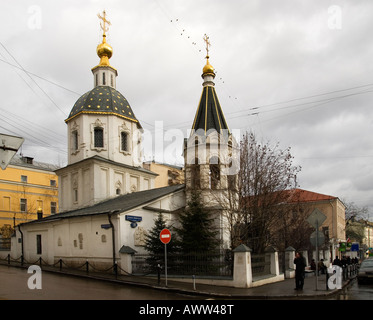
(208, 68)
(207, 41)
(104, 22)
(104, 50)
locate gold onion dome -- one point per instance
(104, 51)
(208, 68)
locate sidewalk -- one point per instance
(278, 290)
(283, 290)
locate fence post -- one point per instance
(116, 270)
(272, 256)
(289, 263)
(242, 273)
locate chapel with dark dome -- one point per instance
(104, 141)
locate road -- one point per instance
(357, 291)
(14, 286)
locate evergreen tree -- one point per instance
(196, 233)
(152, 242)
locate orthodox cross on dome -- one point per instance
(103, 25)
(208, 44)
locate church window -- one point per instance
(196, 175)
(124, 141)
(112, 80)
(118, 191)
(232, 181)
(75, 140)
(96, 79)
(103, 79)
(75, 195)
(214, 172)
(99, 137)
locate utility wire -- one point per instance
(32, 79)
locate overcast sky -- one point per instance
(294, 72)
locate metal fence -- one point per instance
(216, 264)
(5, 244)
(260, 265)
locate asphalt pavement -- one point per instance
(282, 290)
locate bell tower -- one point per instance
(210, 149)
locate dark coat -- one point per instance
(300, 265)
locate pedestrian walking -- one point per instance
(300, 266)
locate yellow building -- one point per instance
(168, 174)
(25, 187)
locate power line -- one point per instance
(40, 77)
(32, 79)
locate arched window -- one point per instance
(103, 79)
(75, 141)
(99, 137)
(195, 174)
(214, 172)
(124, 146)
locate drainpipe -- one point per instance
(112, 232)
(19, 228)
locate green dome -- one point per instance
(103, 100)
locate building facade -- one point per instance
(104, 143)
(168, 175)
(27, 186)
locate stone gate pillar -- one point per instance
(242, 274)
(272, 256)
(289, 263)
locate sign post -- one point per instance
(316, 219)
(165, 237)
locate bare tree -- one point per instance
(266, 172)
(354, 218)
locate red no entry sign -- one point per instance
(165, 236)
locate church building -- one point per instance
(107, 199)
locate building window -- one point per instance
(53, 183)
(75, 195)
(99, 137)
(23, 205)
(53, 207)
(112, 80)
(96, 79)
(124, 141)
(118, 191)
(24, 179)
(38, 244)
(103, 79)
(214, 172)
(75, 141)
(196, 175)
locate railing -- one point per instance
(5, 244)
(259, 265)
(60, 265)
(217, 264)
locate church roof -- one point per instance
(103, 100)
(118, 204)
(209, 114)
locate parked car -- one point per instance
(365, 271)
